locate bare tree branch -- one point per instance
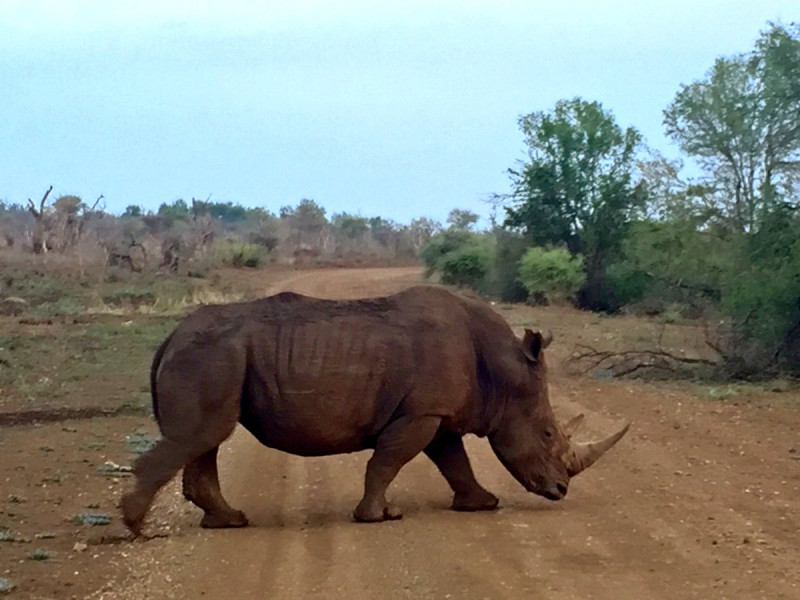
(37, 214)
(96, 202)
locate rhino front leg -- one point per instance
(401, 441)
(448, 454)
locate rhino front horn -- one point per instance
(583, 456)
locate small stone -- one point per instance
(79, 547)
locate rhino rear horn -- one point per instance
(582, 456)
(547, 339)
(572, 425)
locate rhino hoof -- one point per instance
(133, 514)
(390, 512)
(482, 500)
(212, 521)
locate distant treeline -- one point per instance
(593, 217)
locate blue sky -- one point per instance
(397, 109)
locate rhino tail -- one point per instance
(154, 373)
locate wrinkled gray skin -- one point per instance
(404, 374)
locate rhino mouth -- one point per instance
(554, 493)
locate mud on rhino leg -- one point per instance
(201, 486)
(401, 441)
(448, 454)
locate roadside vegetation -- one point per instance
(712, 237)
(593, 218)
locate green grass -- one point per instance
(40, 555)
(64, 365)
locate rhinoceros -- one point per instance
(402, 374)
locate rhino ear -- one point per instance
(532, 345)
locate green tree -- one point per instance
(69, 205)
(422, 230)
(761, 294)
(578, 187)
(132, 210)
(227, 212)
(177, 211)
(382, 230)
(671, 261)
(462, 219)
(741, 124)
(306, 216)
(352, 227)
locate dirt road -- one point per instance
(701, 500)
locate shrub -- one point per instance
(440, 246)
(467, 266)
(761, 295)
(629, 284)
(239, 254)
(461, 257)
(551, 275)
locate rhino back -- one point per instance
(324, 377)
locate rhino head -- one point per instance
(535, 449)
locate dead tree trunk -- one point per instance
(39, 235)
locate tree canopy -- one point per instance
(579, 185)
(740, 122)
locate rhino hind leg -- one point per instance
(153, 470)
(401, 441)
(201, 486)
(448, 454)
(185, 442)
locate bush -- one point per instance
(440, 246)
(234, 253)
(467, 266)
(761, 295)
(461, 257)
(662, 263)
(551, 275)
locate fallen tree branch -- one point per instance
(627, 362)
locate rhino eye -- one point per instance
(548, 433)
